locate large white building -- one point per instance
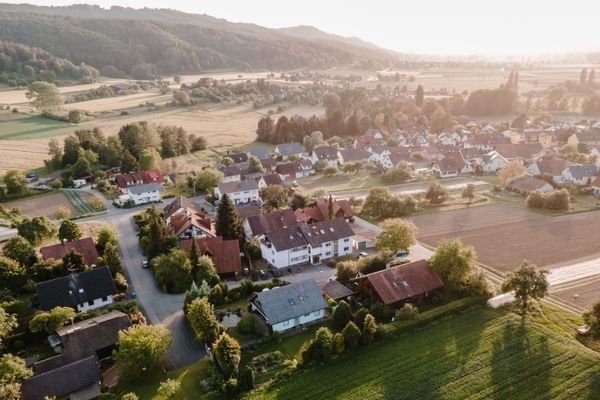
(140, 194)
(242, 192)
(307, 244)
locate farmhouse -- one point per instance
(225, 254)
(412, 282)
(527, 184)
(85, 247)
(301, 244)
(290, 306)
(580, 174)
(242, 192)
(83, 291)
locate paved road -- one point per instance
(7, 233)
(411, 188)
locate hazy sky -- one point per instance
(420, 26)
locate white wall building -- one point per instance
(239, 192)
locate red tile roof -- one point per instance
(404, 281)
(341, 208)
(224, 253)
(84, 246)
(187, 218)
(139, 178)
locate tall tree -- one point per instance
(511, 171)
(396, 234)
(36, 229)
(228, 222)
(228, 354)
(8, 322)
(420, 96)
(274, 195)
(68, 231)
(202, 319)
(20, 250)
(112, 259)
(140, 348)
(330, 207)
(15, 182)
(44, 95)
(436, 193)
(454, 263)
(528, 283)
(468, 193)
(73, 262)
(173, 271)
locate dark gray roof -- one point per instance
(68, 291)
(233, 187)
(63, 381)
(259, 152)
(583, 171)
(274, 220)
(294, 300)
(288, 149)
(354, 155)
(238, 157)
(313, 234)
(326, 152)
(146, 187)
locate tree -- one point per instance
(129, 162)
(140, 348)
(62, 212)
(36, 229)
(381, 203)
(8, 322)
(15, 182)
(68, 231)
(369, 329)
(339, 344)
(419, 96)
(20, 250)
(149, 159)
(13, 275)
(197, 143)
(396, 234)
(173, 271)
(51, 321)
(228, 223)
(436, 193)
(453, 263)
(557, 200)
(13, 372)
(330, 171)
(535, 199)
(592, 319)
(321, 346)
(342, 314)
(130, 396)
(298, 201)
(469, 193)
(254, 165)
(55, 153)
(345, 272)
(227, 355)
(74, 117)
(274, 195)
(528, 283)
(44, 95)
(207, 180)
(510, 172)
(202, 319)
(180, 97)
(106, 235)
(169, 388)
(351, 335)
(246, 379)
(203, 269)
(330, 207)
(112, 259)
(399, 174)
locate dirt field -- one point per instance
(43, 205)
(505, 236)
(582, 295)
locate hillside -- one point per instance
(175, 42)
(312, 33)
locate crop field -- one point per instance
(504, 236)
(581, 294)
(43, 205)
(478, 355)
(33, 128)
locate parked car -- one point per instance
(276, 273)
(363, 254)
(263, 274)
(145, 264)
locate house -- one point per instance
(547, 139)
(238, 157)
(352, 155)
(140, 194)
(290, 306)
(595, 152)
(259, 152)
(580, 174)
(257, 225)
(492, 162)
(596, 186)
(84, 291)
(371, 138)
(320, 212)
(301, 244)
(138, 178)
(268, 164)
(234, 172)
(269, 180)
(378, 153)
(305, 168)
(225, 254)
(523, 152)
(287, 150)
(77, 380)
(295, 170)
(334, 290)
(553, 167)
(484, 142)
(242, 192)
(527, 184)
(590, 138)
(412, 282)
(85, 247)
(447, 168)
(325, 153)
(188, 223)
(247, 210)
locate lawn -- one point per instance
(362, 180)
(478, 355)
(33, 128)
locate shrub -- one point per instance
(245, 326)
(535, 199)
(345, 271)
(342, 314)
(246, 379)
(359, 316)
(339, 344)
(408, 311)
(321, 346)
(369, 329)
(381, 312)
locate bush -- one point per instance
(374, 263)
(369, 329)
(408, 311)
(246, 379)
(342, 314)
(351, 335)
(535, 199)
(359, 316)
(245, 326)
(382, 312)
(339, 344)
(321, 346)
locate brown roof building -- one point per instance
(309, 215)
(84, 246)
(263, 223)
(224, 253)
(408, 282)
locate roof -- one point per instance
(273, 179)
(85, 247)
(186, 218)
(63, 381)
(326, 152)
(449, 165)
(145, 188)
(74, 289)
(264, 223)
(592, 135)
(137, 178)
(335, 290)
(404, 282)
(313, 234)
(349, 155)
(84, 338)
(519, 150)
(259, 152)
(287, 302)
(238, 157)
(288, 149)
(234, 169)
(248, 210)
(224, 253)
(583, 171)
(341, 208)
(554, 166)
(528, 184)
(233, 187)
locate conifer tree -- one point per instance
(228, 223)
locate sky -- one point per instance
(446, 27)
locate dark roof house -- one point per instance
(274, 220)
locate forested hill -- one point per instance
(172, 41)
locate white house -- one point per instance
(326, 153)
(240, 192)
(447, 168)
(140, 194)
(290, 306)
(580, 174)
(595, 152)
(553, 167)
(492, 162)
(287, 150)
(307, 244)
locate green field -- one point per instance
(482, 354)
(33, 128)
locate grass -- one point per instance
(480, 354)
(339, 182)
(33, 128)
(82, 206)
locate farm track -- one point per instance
(75, 198)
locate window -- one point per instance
(306, 315)
(286, 323)
(105, 299)
(346, 248)
(347, 240)
(91, 302)
(328, 245)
